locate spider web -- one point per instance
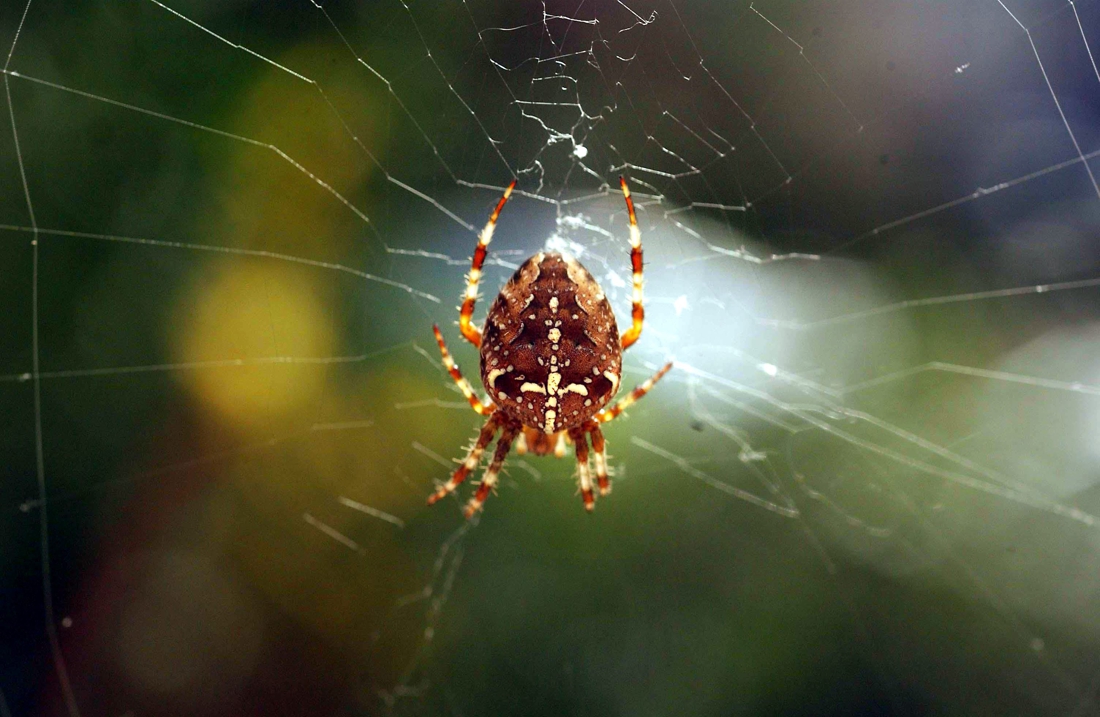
(868, 485)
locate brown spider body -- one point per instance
(551, 360)
(540, 443)
(550, 352)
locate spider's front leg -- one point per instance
(584, 477)
(489, 481)
(599, 457)
(471, 461)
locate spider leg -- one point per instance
(583, 474)
(463, 384)
(489, 480)
(471, 332)
(599, 457)
(559, 447)
(471, 460)
(631, 398)
(637, 311)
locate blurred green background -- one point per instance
(249, 214)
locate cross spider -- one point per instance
(551, 359)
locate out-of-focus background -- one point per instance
(869, 486)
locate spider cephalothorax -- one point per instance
(551, 359)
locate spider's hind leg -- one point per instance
(637, 311)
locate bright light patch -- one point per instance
(561, 245)
(768, 369)
(615, 280)
(267, 318)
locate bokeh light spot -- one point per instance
(257, 322)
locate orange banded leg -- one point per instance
(637, 311)
(599, 457)
(463, 384)
(471, 460)
(630, 399)
(471, 332)
(559, 446)
(489, 480)
(583, 474)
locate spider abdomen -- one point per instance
(550, 352)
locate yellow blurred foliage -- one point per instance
(267, 316)
(261, 312)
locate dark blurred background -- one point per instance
(868, 487)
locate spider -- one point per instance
(551, 360)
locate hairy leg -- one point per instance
(599, 457)
(471, 332)
(489, 480)
(463, 385)
(471, 460)
(631, 398)
(637, 311)
(584, 477)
